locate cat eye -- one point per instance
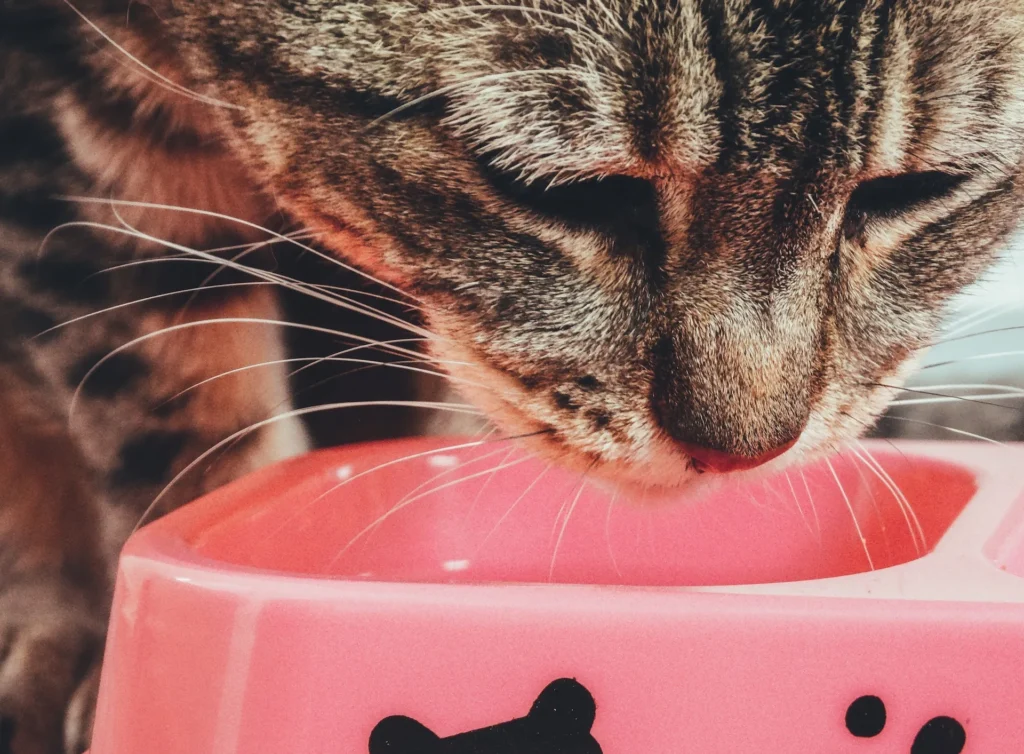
(601, 203)
(895, 195)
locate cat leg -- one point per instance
(53, 576)
(96, 433)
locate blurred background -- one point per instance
(980, 357)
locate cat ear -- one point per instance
(565, 707)
(402, 735)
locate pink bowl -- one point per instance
(302, 608)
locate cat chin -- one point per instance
(667, 477)
(638, 486)
(658, 474)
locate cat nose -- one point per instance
(707, 459)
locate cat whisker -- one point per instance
(191, 259)
(147, 299)
(853, 514)
(314, 360)
(810, 500)
(398, 508)
(974, 386)
(982, 398)
(339, 301)
(486, 440)
(954, 430)
(295, 413)
(244, 223)
(909, 515)
(608, 535)
(342, 301)
(936, 395)
(149, 73)
(565, 523)
(368, 294)
(857, 462)
(512, 508)
(428, 484)
(418, 357)
(993, 331)
(233, 263)
(484, 486)
(221, 320)
(440, 363)
(336, 359)
(796, 501)
(974, 319)
(978, 357)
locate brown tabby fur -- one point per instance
(629, 224)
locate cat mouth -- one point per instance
(660, 472)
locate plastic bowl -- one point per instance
(869, 604)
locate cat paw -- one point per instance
(51, 645)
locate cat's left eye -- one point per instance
(894, 195)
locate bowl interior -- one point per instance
(415, 511)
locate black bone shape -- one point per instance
(558, 723)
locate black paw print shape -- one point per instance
(558, 723)
(866, 718)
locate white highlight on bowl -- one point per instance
(443, 462)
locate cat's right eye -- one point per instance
(595, 202)
(891, 196)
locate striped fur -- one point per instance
(633, 224)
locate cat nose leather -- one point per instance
(706, 459)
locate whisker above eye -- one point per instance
(487, 78)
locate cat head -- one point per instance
(673, 237)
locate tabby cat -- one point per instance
(661, 240)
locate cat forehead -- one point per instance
(566, 89)
(596, 88)
(590, 89)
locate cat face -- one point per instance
(674, 236)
